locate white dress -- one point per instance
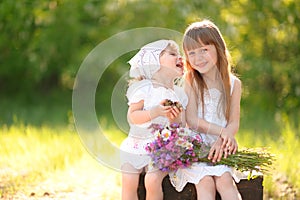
(133, 147)
(197, 171)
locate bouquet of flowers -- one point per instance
(175, 147)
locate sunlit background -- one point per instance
(43, 43)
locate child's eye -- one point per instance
(203, 50)
(191, 53)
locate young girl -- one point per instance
(213, 110)
(154, 67)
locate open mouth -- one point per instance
(180, 65)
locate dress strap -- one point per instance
(232, 80)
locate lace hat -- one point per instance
(146, 62)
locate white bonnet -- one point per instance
(146, 62)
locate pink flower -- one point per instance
(174, 147)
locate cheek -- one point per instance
(191, 60)
(213, 57)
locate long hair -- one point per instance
(207, 33)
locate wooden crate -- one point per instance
(249, 190)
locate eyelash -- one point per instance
(201, 50)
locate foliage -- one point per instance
(42, 43)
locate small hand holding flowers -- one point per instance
(175, 110)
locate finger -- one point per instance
(219, 157)
(174, 112)
(211, 153)
(216, 156)
(167, 107)
(216, 153)
(225, 140)
(229, 144)
(225, 154)
(166, 111)
(235, 149)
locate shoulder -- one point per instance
(137, 85)
(139, 89)
(235, 82)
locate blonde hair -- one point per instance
(172, 46)
(207, 33)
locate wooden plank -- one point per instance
(249, 190)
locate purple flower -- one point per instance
(175, 147)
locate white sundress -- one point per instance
(133, 147)
(197, 171)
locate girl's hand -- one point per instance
(216, 151)
(229, 144)
(160, 110)
(174, 114)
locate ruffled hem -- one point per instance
(134, 153)
(197, 171)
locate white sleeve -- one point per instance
(138, 91)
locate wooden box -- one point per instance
(249, 190)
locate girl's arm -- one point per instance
(227, 134)
(192, 119)
(233, 123)
(137, 115)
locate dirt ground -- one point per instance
(86, 180)
(89, 180)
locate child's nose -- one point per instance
(199, 56)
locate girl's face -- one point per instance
(173, 60)
(203, 59)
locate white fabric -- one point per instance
(139, 135)
(197, 171)
(146, 62)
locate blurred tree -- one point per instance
(17, 26)
(42, 43)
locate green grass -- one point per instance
(38, 143)
(286, 167)
(30, 154)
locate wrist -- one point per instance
(153, 113)
(221, 132)
(227, 133)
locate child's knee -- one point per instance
(153, 180)
(207, 183)
(225, 181)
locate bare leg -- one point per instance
(227, 187)
(153, 185)
(130, 181)
(206, 188)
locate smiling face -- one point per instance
(170, 58)
(203, 59)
